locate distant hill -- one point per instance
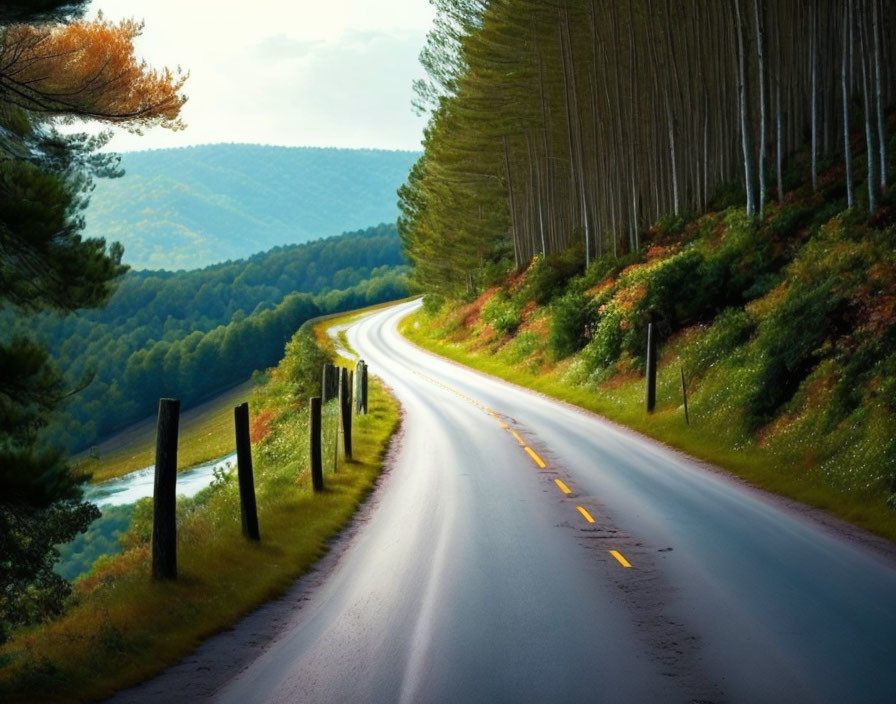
(194, 206)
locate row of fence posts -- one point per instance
(337, 383)
(650, 376)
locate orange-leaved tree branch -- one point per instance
(88, 69)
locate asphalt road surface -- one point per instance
(521, 550)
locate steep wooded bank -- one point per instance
(782, 329)
(192, 334)
(579, 123)
(718, 169)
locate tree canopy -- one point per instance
(51, 72)
(580, 123)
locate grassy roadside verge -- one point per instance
(206, 433)
(123, 627)
(706, 438)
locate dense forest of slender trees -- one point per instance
(580, 123)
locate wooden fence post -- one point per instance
(314, 429)
(364, 389)
(650, 391)
(351, 389)
(248, 509)
(325, 382)
(164, 521)
(345, 412)
(334, 382)
(359, 370)
(684, 393)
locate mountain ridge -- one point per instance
(188, 207)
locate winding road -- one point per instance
(522, 550)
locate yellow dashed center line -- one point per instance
(622, 561)
(563, 487)
(534, 456)
(540, 462)
(585, 514)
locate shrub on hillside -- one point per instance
(606, 344)
(548, 276)
(730, 329)
(432, 303)
(502, 313)
(572, 316)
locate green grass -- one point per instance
(206, 433)
(124, 627)
(714, 434)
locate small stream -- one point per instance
(135, 485)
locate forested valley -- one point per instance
(720, 170)
(191, 334)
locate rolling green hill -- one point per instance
(190, 207)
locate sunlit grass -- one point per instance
(206, 433)
(715, 434)
(125, 627)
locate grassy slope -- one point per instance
(816, 447)
(124, 627)
(206, 433)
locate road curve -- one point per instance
(521, 550)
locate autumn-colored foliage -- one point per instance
(88, 69)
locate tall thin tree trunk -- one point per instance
(511, 205)
(868, 102)
(577, 121)
(759, 9)
(744, 116)
(881, 136)
(813, 60)
(779, 128)
(843, 82)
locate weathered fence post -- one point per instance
(325, 382)
(164, 524)
(345, 412)
(364, 389)
(334, 382)
(684, 393)
(359, 367)
(314, 428)
(351, 389)
(650, 391)
(248, 509)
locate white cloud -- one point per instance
(298, 73)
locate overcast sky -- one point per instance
(300, 72)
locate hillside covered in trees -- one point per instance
(191, 334)
(194, 206)
(717, 169)
(618, 114)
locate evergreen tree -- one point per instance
(45, 265)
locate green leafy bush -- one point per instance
(606, 344)
(786, 342)
(432, 303)
(571, 315)
(548, 276)
(730, 329)
(502, 313)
